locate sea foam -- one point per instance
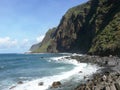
(85, 68)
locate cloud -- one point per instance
(39, 38)
(7, 42)
(25, 43)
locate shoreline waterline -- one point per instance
(86, 69)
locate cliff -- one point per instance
(47, 44)
(93, 27)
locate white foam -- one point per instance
(85, 68)
(64, 59)
(75, 54)
(58, 58)
(33, 85)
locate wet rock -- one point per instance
(40, 84)
(20, 82)
(56, 84)
(118, 75)
(117, 86)
(107, 88)
(104, 77)
(107, 78)
(82, 87)
(80, 72)
(107, 73)
(112, 87)
(106, 62)
(87, 88)
(85, 77)
(112, 63)
(96, 88)
(12, 87)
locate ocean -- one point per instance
(31, 69)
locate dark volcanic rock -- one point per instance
(56, 84)
(12, 87)
(117, 86)
(109, 76)
(40, 84)
(20, 82)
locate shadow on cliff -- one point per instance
(86, 32)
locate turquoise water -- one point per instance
(28, 67)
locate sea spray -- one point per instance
(85, 68)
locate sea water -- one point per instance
(31, 69)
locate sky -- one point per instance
(25, 22)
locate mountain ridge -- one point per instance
(93, 28)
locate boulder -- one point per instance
(107, 88)
(117, 86)
(12, 87)
(96, 88)
(56, 84)
(80, 72)
(40, 84)
(112, 86)
(87, 88)
(20, 82)
(104, 77)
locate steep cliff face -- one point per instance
(35, 47)
(93, 27)
(74, 34)
(47, 45)
(107, 38)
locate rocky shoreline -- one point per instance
(109, 76)
(106, 78)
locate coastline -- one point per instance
(64, 77)
(109, 76)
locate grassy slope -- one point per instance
(46, 43)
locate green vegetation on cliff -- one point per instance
(93, 27)
(46, 44)
(107, 38)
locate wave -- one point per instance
(33, 85)
(75, 54)
(2, 67)
(64, 59)
(85, 68)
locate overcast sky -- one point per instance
(25, 22)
